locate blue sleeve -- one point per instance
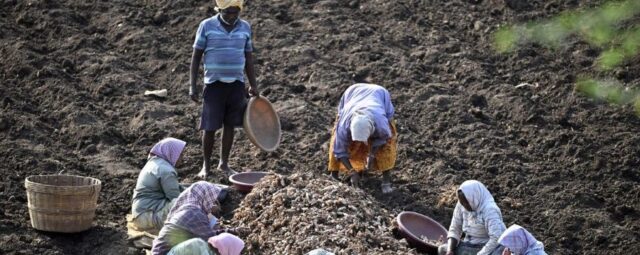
(201, 37)
(388, 106)
(248, 46)
(341, 142)
(383, 130)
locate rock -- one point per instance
(4, 124)
(477, 25)
(133, 251)
(160, 17)
(518, 5)
(478, 100)
(298, 89)
(90, 149)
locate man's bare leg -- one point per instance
(208, 138)
(227, 142)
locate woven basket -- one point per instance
(62, 203)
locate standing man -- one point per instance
(225, 42)
(364, 137)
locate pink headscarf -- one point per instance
(169, 149)
(227, 244)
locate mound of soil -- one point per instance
(563, 166)
(299, 213)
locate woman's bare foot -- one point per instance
(335, 176)
(386, 188)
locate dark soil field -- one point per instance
(564, 166)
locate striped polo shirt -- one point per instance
(223, 51)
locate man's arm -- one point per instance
(251, 73)
(196, 57)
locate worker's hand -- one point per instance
(238, 231)
(355, 179)
(506, 251)
(253, 91)
(370, 160)
(193, 94)
(451, 253)
(216, 210)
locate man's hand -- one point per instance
(506, 251)
(193, 93)
(253, 91)
(451, 253)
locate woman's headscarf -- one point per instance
(361, 127)
(193, 205)
(169, 149)
(518, 240)
(224, 4)
(476, 194)
(227, 244)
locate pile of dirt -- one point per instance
(301, 212)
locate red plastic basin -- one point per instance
(244, 182)
(413, 226)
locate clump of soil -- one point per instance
(299, 213)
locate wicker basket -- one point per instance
(62, 203)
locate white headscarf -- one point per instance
(361, 127)
(224, 4)
(477, 195)
(519, 240)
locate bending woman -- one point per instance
(157, 185)
(364, 137)
(188, 228)
(477, 215)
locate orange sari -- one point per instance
(385, 158)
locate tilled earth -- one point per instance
(562, 165)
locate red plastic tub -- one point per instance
(413, 226)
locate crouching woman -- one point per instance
(188, 226)
(157, 186)
(479, 218)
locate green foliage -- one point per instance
(610, 91)
(600, 27)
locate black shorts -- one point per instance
(223, 103)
